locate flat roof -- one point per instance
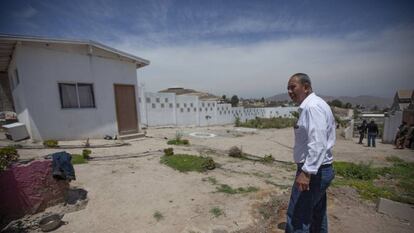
(8, 43)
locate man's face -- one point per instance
(296, 90)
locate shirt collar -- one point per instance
(306, 100)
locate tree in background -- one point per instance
(234, 101)
(262, 100)
(348, 105)
(336, 103)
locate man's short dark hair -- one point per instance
(303, 78)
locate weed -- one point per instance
(224, 188)
(208, 163)
(211, 180)
(216, 211)
(235, 152)
(50, 143)
(158, 216)
(169, 151)
(179, 142)
(265, 123)
(355, 171)
(267, 159)
(362, 177)
(237, 122)
(86, 153)
(186, 163)
(78, 159)
(7, 156)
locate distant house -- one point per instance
(67, 89)
(402, 99)
(401, 110)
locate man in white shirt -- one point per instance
(314, 140)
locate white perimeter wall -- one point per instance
(190, 111)
(391, 124)
(37, 99)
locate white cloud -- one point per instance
(374, 65)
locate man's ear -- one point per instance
(308, 89)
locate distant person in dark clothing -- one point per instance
(372, 129)
(398, 134)
(409, 141)
(362, 129)
(402, 135)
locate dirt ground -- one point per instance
(127, 185)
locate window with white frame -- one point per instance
(76, 95)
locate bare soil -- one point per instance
(127, 185)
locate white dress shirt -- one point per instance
(314, 134)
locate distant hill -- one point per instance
(363, 100)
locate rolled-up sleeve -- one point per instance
(317, 139)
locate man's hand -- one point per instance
(302, 181)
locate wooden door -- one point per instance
(126, 109)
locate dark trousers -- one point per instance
(307, 210)
(371, 139)
(361, 137)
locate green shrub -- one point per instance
(355, 171)
(265, 123)
(235, 152)
(158, 216)
(7, 156)
(186, 163)
(237, 122)
(216, 211)
(209, 163)
(169, 151)
(178, 142)
(86, 153)
(50, 143)
(78, 159)
(267, 159)
(399, 176)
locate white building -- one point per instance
(65, 89)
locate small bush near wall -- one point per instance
(235, 152)
(178, 142)
(265, 123)
(86, 153)
(50, 143)
(237, 122)
(7, 156)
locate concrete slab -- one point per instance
(396, 209)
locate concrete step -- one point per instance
(131, 136)
(396, 209)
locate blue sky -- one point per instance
(248, 48)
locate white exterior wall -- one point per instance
(391, 124)
(38, 101)
(207, 112)
(187, 110)
(159, 109)
(280, 112)
(196, 114)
